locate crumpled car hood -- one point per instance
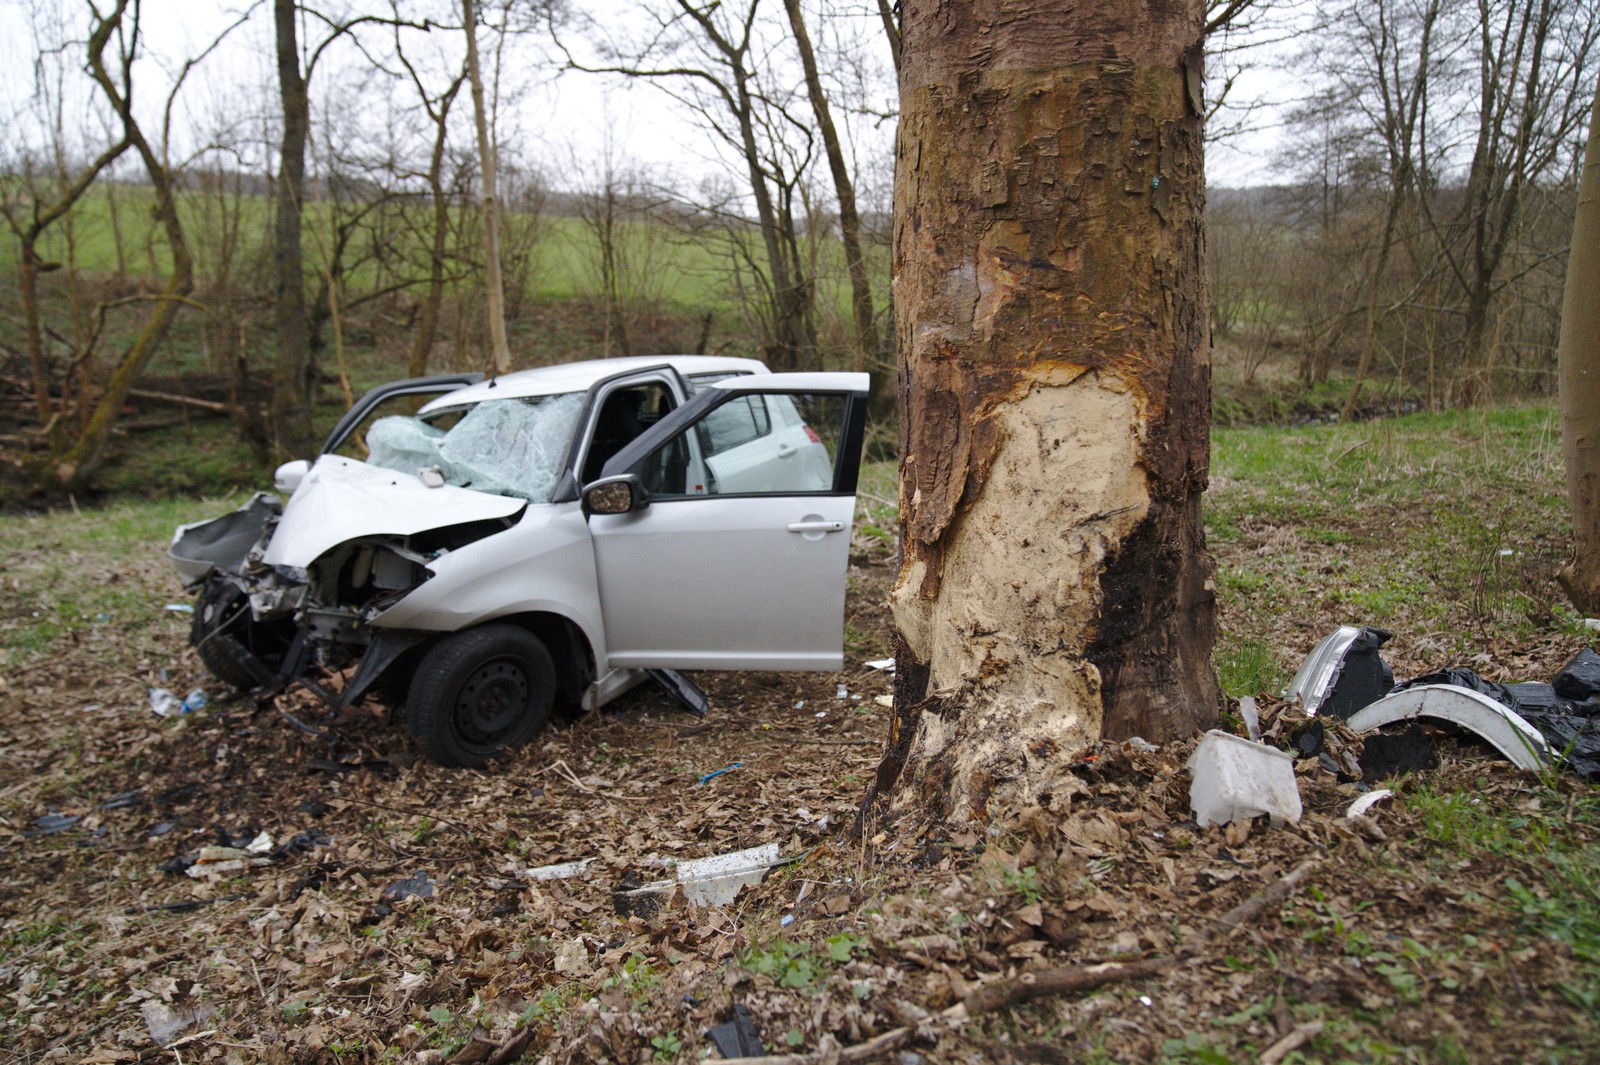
(342, 499)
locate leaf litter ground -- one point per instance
(1441, 929)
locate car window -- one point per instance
(356, 444)
(796, 453)
(624, 414)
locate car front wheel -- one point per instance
(237, 649)
(478, 693)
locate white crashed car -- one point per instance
(542, 539)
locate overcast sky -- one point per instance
(548, 119)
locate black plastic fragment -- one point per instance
(1307, 740)
(1579, 679)
(1364, 677)
(1384, 756)
(124, 800)
(412, 887)
(685, 691)
(52, 824)
(737, 1036)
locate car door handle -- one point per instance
(785, 450)
(816, 526)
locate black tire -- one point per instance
(237, 649)
(478, 693)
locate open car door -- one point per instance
(732, 551)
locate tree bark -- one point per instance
(844, 189)
(501, 351)
(293, 376)
(1578, 371)
(1051, 332)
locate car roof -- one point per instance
(580, 376)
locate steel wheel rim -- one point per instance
(491, 702)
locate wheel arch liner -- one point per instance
(386, 647)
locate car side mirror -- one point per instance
(289, 476)
(615, 495)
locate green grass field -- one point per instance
(111, 232)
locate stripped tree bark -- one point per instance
(1051, 333)
(1578, 368)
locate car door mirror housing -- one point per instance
(289, 475)
(615, 495)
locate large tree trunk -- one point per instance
(1055, 386)
(293, 376)
(1578, 367)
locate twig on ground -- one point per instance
(1297, 1038)
(560, 765)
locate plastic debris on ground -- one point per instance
(1235, 779)
(164, 703)
(718, 772)
(417, 886)
(1533, 724)
(1344, 672)
(51, 824)
(560, 871)
(737, 1036)
(1566, 711)
(713, 881)
(685, 692)
(1384, 756)
(1472, 711)
(167, 1023)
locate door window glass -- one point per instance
(794, 451)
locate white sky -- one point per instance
(554, 119)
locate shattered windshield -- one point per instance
(510, 447)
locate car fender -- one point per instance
(543, 564)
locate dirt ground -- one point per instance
(1326, 940)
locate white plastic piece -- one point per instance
(1235, 779)
(1367, 802)
(1250, 716)
(715, 881)
(561, 871)
(1510, 734)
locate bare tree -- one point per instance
(1052, 339)
(1579, 361)
(500, 353)
(714, 53)
(437, 107)
(1533, 63)
(294, 371)
(73, 459)
(866, 338)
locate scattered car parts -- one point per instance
(1477, 713)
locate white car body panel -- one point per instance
(763, 597)
(580, 376)
(542, 564)
(341, 499)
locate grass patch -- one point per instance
(1248, 667)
